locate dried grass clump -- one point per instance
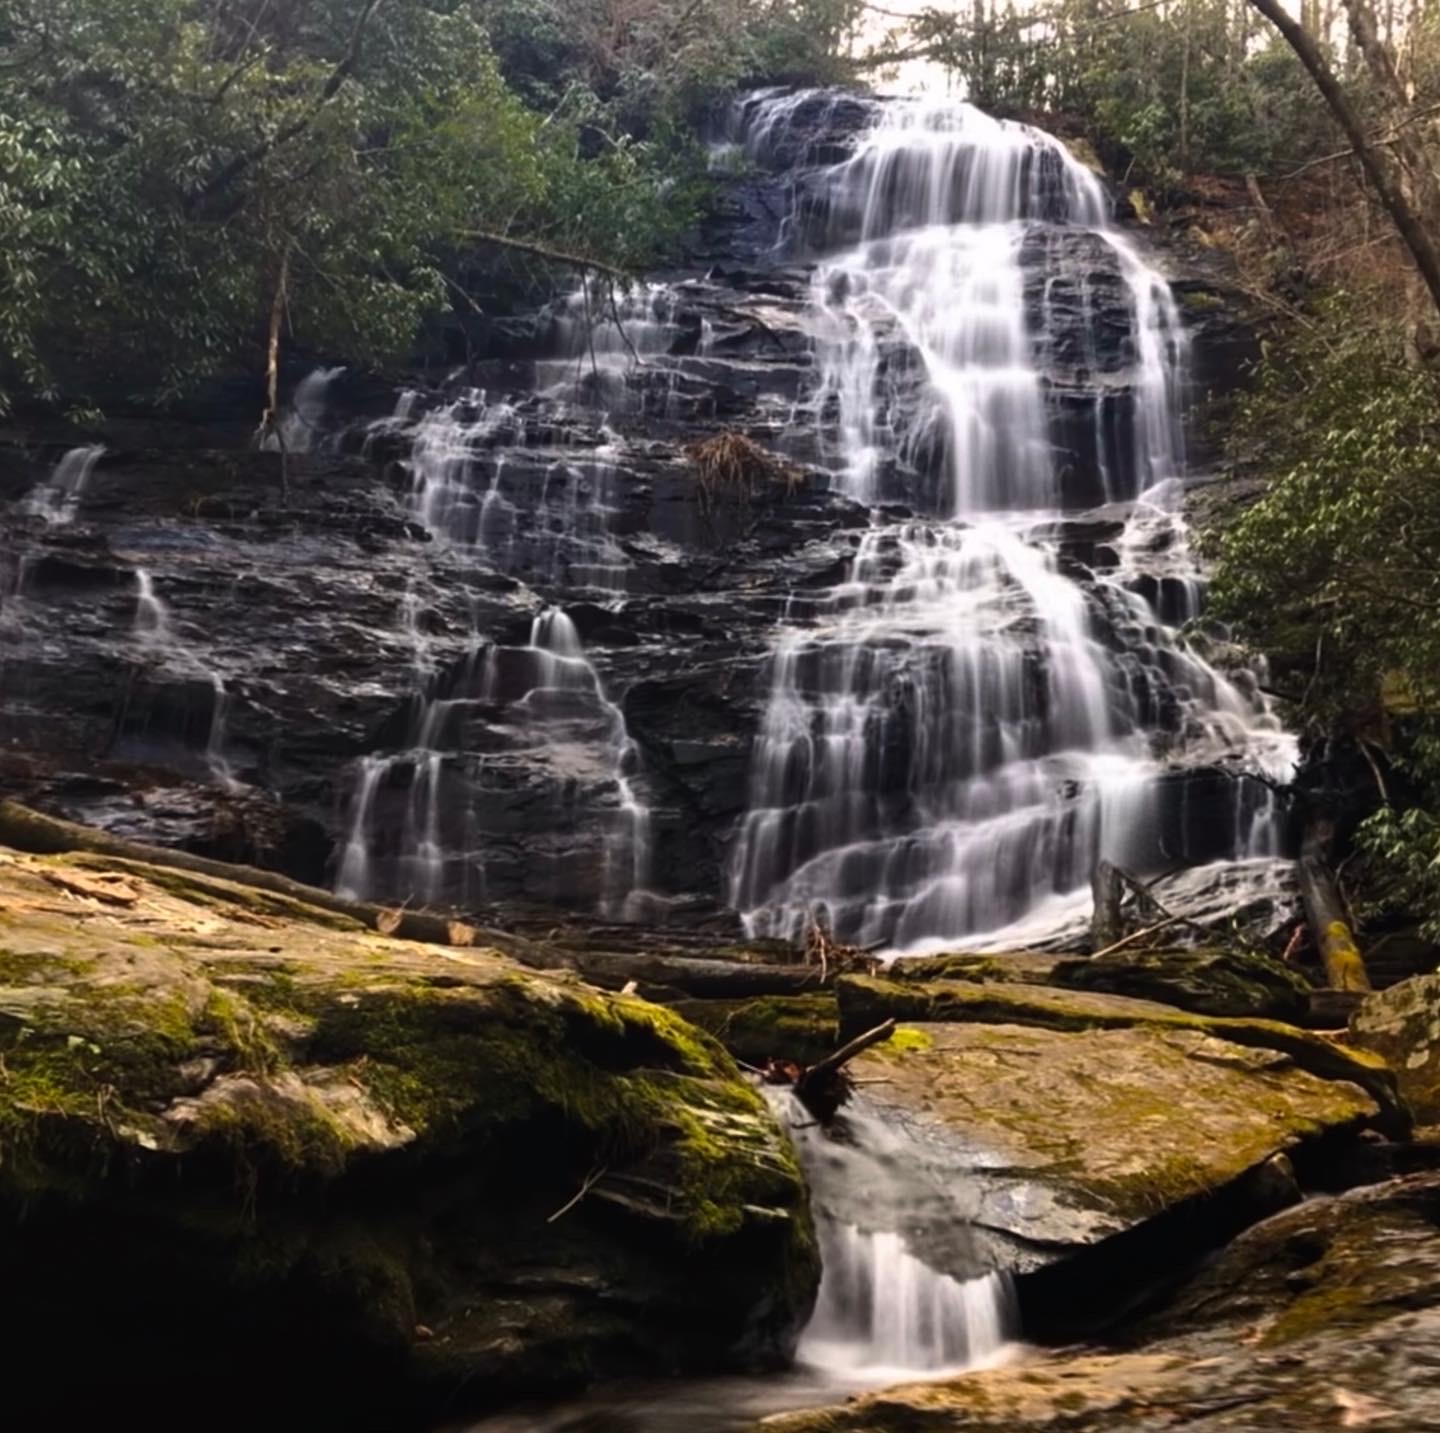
(733, 468)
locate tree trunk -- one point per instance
(1381, 170)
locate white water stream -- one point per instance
(957, 732)
(57, 499)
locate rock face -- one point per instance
(1402, 1025)
(1209, 982)
(864, 1000)
(1325, 1316)
(1206, 981)
(240, 1133)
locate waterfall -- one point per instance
(303, 425)
(881, 1312)
(154, 631)
(956, 732)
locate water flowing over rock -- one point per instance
(502, 642)
(57, 498)
(957, 731)
(1321, 1317)
(883, 1312)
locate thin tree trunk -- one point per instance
(1106, 924)
(270, 423)
(1378, 167)
(1185, 98)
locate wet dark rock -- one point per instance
(331, 610)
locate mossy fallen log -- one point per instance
(1328, 920)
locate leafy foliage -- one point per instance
(1335, 571)
(643, 59)
(1180, 88)
(169, 168)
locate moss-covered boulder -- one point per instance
(1402, 1026)
(865, 1001)
(1326, 1316)
(241, 1135)
(1021, 967)
(1088, 1139)
(1080, 1135)
(1206, 981)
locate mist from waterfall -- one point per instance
(957, 731)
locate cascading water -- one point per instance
(57, 499)
(155, 632)
(553, 697)
(482, 480)
(883, 1312)
(958, 731)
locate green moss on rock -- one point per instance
(865, 1001)
(491, 1130)
(1205, 982)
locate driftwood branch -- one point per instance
(586, 1185)
(544, 251)
(1138, 935)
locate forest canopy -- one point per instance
(173, 171)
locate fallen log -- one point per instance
(1326, 914)
(24, 829)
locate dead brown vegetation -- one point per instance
(732, 468)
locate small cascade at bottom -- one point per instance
(882, 1313)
